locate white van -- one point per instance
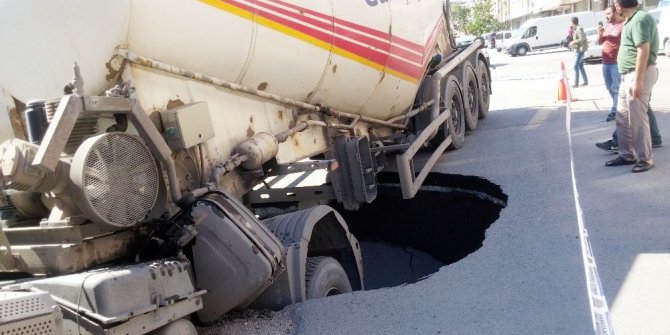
(501, 37)
(547, 32)
(664, 31)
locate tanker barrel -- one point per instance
(162, 66)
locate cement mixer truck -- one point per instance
(141, 139)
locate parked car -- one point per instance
(595, 51)
(664, 31)
(465, 40)
(501, 37)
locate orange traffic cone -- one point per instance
(562, 91)
(563, 87)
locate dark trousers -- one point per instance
(653, 127)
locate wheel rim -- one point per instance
(472, 95)
(455, 111)
(484, 87)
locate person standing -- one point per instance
(610, 37)
(637, 64)
(579, 45)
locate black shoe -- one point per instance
(657, 145)
(586, 83)
(611, 117)
(642, 166)
(608, 146)
(619, 161)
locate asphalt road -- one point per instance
(529, 278)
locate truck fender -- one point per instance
(317, 231)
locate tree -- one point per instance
(482, 19)
(461, 15)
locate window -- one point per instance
(532, 31)
(503, 35)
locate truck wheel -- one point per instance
(521, 50)
(484, 93)
(456, 122)
(178, 327)
(470, 97)
(451, 100)
(324, 276)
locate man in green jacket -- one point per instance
(579, 44)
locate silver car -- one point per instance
(595, 51)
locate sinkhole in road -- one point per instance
(405, 240)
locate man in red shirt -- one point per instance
(610, 38)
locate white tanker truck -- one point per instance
(137, 132)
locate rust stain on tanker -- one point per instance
(174, 103)
(262, 86)
(155, 117)
(114, 73)
(16, 121)
(250, 130)
(145, 62)
(334, 68)
(207, 79)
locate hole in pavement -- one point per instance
(405, 240)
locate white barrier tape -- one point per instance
(600, 317)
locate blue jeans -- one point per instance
(612, 81)
(579, 67)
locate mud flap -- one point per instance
(235, 257)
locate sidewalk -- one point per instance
(626, 214)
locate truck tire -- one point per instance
(455, 123)
(452, 100)
(521, 50)
(484, 93)
(324, 276)
(470, 97)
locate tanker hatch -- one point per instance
(405, 240)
